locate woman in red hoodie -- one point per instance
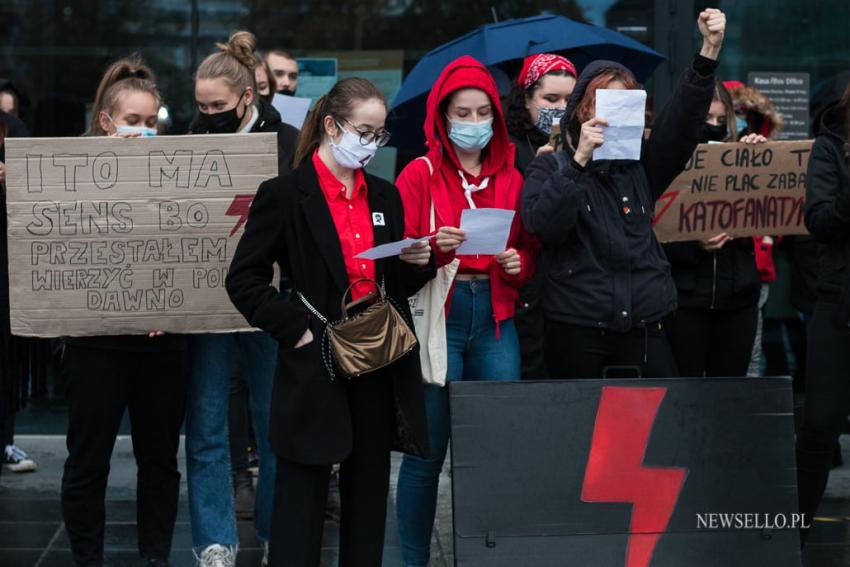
(469, 164)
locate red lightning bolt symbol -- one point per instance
(239, 208)
(669, 197)
(615, 470)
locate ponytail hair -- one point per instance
(234, 62)
(127, 74)
(338, 103)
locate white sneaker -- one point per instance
(217, 556)
(15, 460)
(265, 561)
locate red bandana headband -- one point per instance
(535, 66)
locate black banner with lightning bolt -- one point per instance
(624, 473)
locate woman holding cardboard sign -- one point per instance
(144, 375)
(607, 286)
(314, 223)
(827, 384)
(717, 281)
(225, 93)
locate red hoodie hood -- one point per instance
(466, 72)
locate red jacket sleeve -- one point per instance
(413, 184)
(520, 239)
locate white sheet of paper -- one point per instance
(625, 112)
(293, 109)
(388, 249)
(487, 230)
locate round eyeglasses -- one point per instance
(380, 138)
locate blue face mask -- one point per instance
(548, 116)
(143, 131)
(471, 136)
(740, 124)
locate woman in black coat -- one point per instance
(313, 222)
(828, 363)
(608, 285)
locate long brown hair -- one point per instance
(338, 103)
(587, 105)
(234, 62)
(722, 95)
(127, 74)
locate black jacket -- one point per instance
(828, 209)
(725, 279)
(287, 135)
(290, 223)
(526, 148)
(604, 266)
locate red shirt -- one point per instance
(353, 220)
(485, 198)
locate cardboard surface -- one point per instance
(618, 472)
(124, 236)
(743, 190)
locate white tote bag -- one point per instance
(428, 307)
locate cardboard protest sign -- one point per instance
(122, 236)
(742, 190)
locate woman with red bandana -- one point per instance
(469, 164)
(537, 101)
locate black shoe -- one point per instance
(158, 563)
(243, 495)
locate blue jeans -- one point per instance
(474, 353)
(207, 445)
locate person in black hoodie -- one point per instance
(608, 285)
(225, 92)
(536, 101)
(144, 375)
(827, 400)
(717, 281)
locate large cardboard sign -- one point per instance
(624, 473)
(739, 189)
(122, 236)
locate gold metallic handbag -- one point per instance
(368, 340)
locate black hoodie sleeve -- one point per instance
(827, 201)
(677, 128)
(552, 197)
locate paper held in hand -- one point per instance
(625, 112)
(389, 249)
(487, 230)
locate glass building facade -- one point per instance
(55, 50)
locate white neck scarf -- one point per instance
(469, 188)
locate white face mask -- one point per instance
(350, 153)
(143, 131)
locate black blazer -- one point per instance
(290, 223)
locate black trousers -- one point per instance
(827, 404)
(301, 491)
(712, 342)
(102, 384)
(530, 326)
(573, 351)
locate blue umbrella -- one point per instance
(502, 42)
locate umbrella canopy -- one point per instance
(515, 39)
(503, 42)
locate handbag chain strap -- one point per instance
(325, 342)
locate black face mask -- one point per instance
(267, 97)
(287, 92)
(226, 122)
(714, 132)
